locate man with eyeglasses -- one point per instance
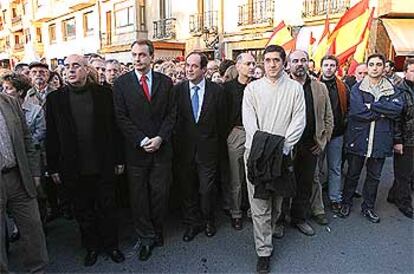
(234, 89)
(82, 146)
(39, 74)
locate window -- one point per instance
(25, 7)
(27, 35)
(1, 23)
(88, 23)
(124, 17)
(69, 28)
(52, 33)
(38, 35)
(41, 3)
(17, 40)
(165, 9)
(14, 13)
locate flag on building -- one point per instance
(323, 45)
(311, 47)
(361, 48)
(351, 25)
(282, 36)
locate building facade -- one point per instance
(52, 29)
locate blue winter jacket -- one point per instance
(372, 119)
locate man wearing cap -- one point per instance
(39, 74)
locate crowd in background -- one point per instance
(32, 84)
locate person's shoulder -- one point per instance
(213, 86)
(124, 78)
(53, 95)
(162, 76)
(181, 85)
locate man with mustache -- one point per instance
(318, 130)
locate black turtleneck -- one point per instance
(309, 132)
(81, 105)
(234, 91)
(339, 125)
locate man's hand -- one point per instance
(36, 181)
(398, 148)
(56, 178)
(153, 144)
(119, 169)
(316, 150)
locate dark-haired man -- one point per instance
(400, 193)
(389, 72)
(199, 132)
(338, 95)
(274, 104)
(374, 107)
(145, 112)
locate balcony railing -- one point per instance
(18, 47)
(321, 7)
(164, 29)
(258, 12)
(204, 22)
(120, 39)
(16, 20)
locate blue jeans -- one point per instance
(334, 157)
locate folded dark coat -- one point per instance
(268, 169)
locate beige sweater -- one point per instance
(277, 108)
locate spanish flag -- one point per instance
(323, 45)
(360, 49)
(281, 36)
(351, 25)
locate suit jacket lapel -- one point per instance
(187, 100)
(136, 88)
(206, 99)
(155, 84)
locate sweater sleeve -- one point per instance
(298, 122)
(249, 116)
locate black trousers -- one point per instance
(149, 188)
(403, 172)
(304, 166)
(369, 192)
(199, 188)
(95, 210)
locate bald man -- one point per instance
(83, 152)
(245, 65)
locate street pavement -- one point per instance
(352, 245)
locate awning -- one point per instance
(401, 33)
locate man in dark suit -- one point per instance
(82, 151)
(199, 130)
(145, 112)
(19, 177)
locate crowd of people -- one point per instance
(260, 135)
